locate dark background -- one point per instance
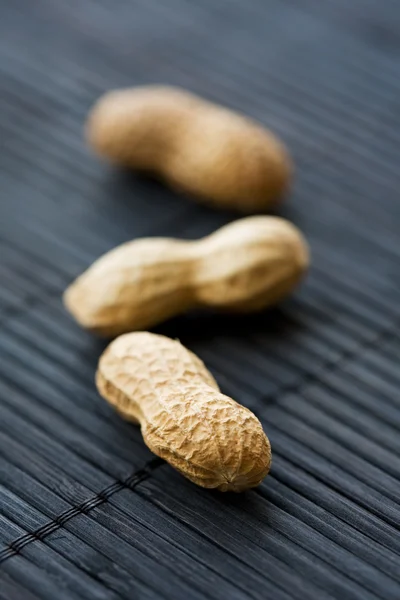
(88, 513)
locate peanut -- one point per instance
(197, 147)
(184, 418)
(245, 266)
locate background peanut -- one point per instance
(184, 418)
(245, 266)
(194, 145)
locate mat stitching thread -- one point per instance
(85, 507)
(138, 476)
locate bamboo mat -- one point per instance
(87, 512)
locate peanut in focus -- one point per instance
(245, 266)
(197, 147)
(184, 418)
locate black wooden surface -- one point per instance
(87, 512)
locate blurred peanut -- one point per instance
(197, 147)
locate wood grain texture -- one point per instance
(321, 373)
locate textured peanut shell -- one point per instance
(184, 418)
(198, 147)
(245, 266)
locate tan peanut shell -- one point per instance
(198, 147)
(245, 266)
(184, 418)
